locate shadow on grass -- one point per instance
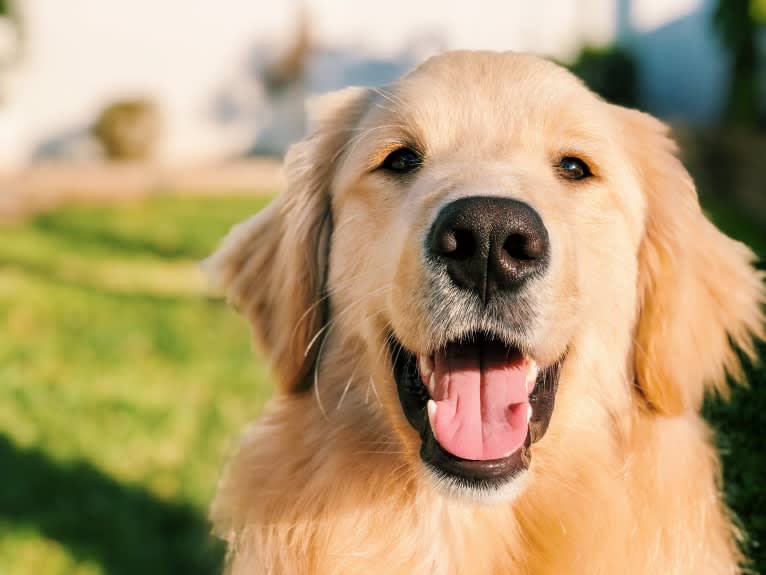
(113, 241)
(123, 527)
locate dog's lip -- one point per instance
(413, 396)
(494, 471)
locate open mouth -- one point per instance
(478, 405)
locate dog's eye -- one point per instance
(402, 161)
(573, 168)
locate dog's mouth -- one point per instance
(478, 405)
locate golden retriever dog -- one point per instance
(493, 307)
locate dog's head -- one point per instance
(479, 237)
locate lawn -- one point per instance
(124, 385)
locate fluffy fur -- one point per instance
(647, 296)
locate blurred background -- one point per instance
(133, 134)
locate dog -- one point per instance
(493, 307)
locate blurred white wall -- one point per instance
(195, 57)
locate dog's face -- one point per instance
(477, 239)
(486, 214)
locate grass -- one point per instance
(124, 386)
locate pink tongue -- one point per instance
(482, 401)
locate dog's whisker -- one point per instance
(318, 361)
(369, 316)
(316, 380)
(393, 473)
(375, 390)
(388, 95)
(328, 293)
(337, 317)
(346, 388)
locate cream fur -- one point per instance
(644, 292)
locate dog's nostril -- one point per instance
(456, 244)
(465, 244)
(446, 243)
(522, 247)
(516, 246)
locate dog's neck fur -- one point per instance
(285, 512)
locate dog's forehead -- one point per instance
(458, 96)
(465, 64)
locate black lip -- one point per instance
(413, 397)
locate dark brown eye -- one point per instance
(402, 161)
(573, 168)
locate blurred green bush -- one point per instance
(128, 129)
(739, 24)
(610, 71)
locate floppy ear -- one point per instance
(273, 266)
(700, 297)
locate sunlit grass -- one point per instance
(113, 356)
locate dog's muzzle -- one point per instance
(479, 399)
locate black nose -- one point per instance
(489, 244)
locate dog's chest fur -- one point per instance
(320, 508)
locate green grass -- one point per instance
(123, 386)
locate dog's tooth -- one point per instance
(530, 411)
(431, 408)
(426, 365)
(531, 375)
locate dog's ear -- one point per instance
(700, 297)
(273, 266)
